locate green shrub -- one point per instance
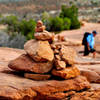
(48, 23)
(75, 23)
(67, 23)
(56, 24)
(27, 28)
(46, 18)
(10, 20)
(72, 14)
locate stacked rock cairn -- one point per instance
(44, 59)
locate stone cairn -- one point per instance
(44, 59)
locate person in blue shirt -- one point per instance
(89, 46)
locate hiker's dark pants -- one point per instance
(86, 51)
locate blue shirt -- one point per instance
(90, 40)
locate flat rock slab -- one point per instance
(92, 72)
(67, 73)
(95, 67)
(14, 87)
(7, 54)
(38, 77)
(25, 63)
(86, 61)
(51, 89)
(39, 50)
(95, 86)
(91, 75)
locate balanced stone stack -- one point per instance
(44, 60)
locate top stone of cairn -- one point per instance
(41, 33)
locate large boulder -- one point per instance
(25, 63)
(68, 54)
(67, 73)
(39, 50)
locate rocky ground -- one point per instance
(13, 85)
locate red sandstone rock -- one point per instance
(61, 38)
(25, 63)
(57, 57)
(54, 46)
(40, 29)
(58, 90)
(92, 76)
(69, 72)
(45, 35)
(87, 95)
(14, 87)
(56, 51)
(68, 54)
(38, 77)
(60, 64)
(39, 50)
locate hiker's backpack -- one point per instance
(84, 41)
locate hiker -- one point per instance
(88, 42)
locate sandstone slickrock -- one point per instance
(87, 95)
(60, 95)
(39, 50)
(13, 87)
(95, 86)
(60, 64)
(68, 54)
(37, 77)
(69, 72)
(92, 76)
(25, 63)
(52, 89)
